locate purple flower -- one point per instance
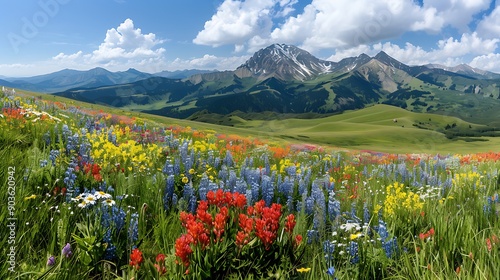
(66, 251)
(51, 261)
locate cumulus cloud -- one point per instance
(489, 26)
(209, 62)
(346, 23)
(122, 46)
(457, 13)
(490, 62)
(327, 24)
(236, 22)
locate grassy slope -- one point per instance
(372, 128)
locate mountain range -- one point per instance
(283, 79)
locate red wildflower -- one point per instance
(203, 215)
(183, 248)
(136, 258)
(290, 223)
(488, 245)
(220, 222)
(426, 235)
(241, 239)
(160, 258)
(198, 232)
(240, 200)
(186, 218)
(94, 170)
(259, 205)
(160, 264)
(245, 223)
(298, 240)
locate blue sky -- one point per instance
(44, 36)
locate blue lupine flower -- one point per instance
(309, 205)
(133, 228)
(43, 163)
(70, 177)
(188, 191)
(231, 182)
(312, 236)
(390, 247)
(328, 249)
(223, 174)
(203, 187)
(111, 136)
(382, 230)
(53, 156)
(241, 186)
(169, 192)
(366, 214)
(333, 206)
(177, 168)
(353, 251)
(110, 252)
(192, 203)
(228, 160)
(72, 142)
(255, 191)
(217, 163)
(168, 168)
(267, 190)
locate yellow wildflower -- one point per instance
(33, 196)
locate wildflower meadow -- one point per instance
(92, 195)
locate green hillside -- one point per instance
(380, 128)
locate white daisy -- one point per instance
(101, 194)
(90, 199)
(109, 202)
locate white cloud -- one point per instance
(457, 13)
(208, 62)
(449, 52)
(490, 62)
(327, 24)
(122, 47)
(489, 26)
(236, 22)
(322, 24)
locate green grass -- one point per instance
(375, 128)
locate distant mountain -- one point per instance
(284, 79)
(182, 74)
(283, 62)
(68, 79)
(466, 70)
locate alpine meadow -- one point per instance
(250, 139)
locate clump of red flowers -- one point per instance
(225, 217)
(93, 170)
(136, 258)
(427, 234)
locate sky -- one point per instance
(44, 36)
